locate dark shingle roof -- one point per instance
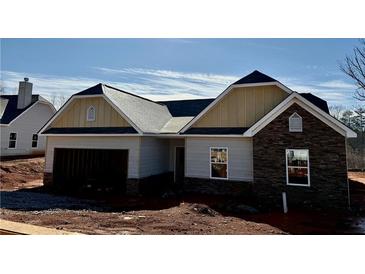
(90, 130)
(94, 90)
(184, 108)
(318, 102)
(11, 111)
(216, 130)
(146, 114)
(255, 77)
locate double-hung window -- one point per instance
(297, 167)
(12, 140)
(219, 162)
(34, 140)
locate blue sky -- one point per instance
(176, 68)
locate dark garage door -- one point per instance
(98, 169)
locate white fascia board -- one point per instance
(226, 91)
(308, 106)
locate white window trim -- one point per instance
(301, 120)
(32, 141)
(287, 173)
(16, 140)
(87, 114)
(210, 163)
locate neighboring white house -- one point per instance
(21, 117)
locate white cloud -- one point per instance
(165, 84)
(337, 84)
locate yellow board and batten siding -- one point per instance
(242, 107)
(75, 114)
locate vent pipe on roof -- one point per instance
(24, 93)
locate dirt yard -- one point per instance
(22, 173)
(24, 200)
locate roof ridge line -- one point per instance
(129, 93)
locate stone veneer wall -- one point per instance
(327, 163)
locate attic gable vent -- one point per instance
(90, 115)
(295, 123)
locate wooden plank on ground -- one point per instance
(15, 228)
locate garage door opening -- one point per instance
(93, 169)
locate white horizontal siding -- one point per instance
(25, 126)
(130, 143)
(154, 157)
(240, 160)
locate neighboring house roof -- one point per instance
(9, 108)
(184, 108)
(91, 130)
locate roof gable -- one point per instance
(307, 105)
(255, 77)
(147, 115)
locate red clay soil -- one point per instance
(185, 218)
(186, 215)
(93, 217)
(22, 173)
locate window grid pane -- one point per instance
(298, 167)
(219, 162)
(218, 155)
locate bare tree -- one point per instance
(53, 99)
(58, 100)
(354, 66)
(336, 111)
(61, 100)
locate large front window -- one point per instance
(297, 165)
(219, 162)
